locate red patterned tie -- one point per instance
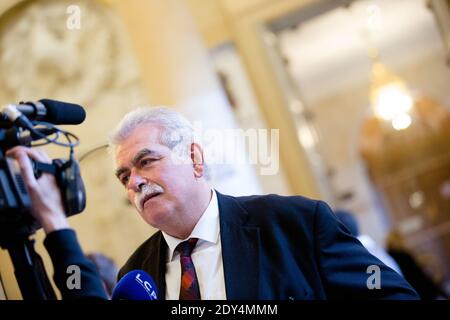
(189, 289)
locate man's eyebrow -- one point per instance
(143, 153)
(138, 156)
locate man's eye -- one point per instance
(124, 180)
(145, 162)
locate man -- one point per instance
(214, 246)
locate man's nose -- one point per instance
(136, 182)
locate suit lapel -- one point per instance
(158, 252)
(240, 250)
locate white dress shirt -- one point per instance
(206, 256)
(379, 252)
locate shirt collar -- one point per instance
(206, 229)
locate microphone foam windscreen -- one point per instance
(135, 285)
(62, 112)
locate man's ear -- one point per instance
(197, 160)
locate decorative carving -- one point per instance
(40, 56)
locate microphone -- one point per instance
(135, 285)
(55, 112)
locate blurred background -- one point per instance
(359, 91)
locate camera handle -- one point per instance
(40, 167)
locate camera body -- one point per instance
(15, 202)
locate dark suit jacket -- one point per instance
(276, 247)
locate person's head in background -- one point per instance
(107, 269)
(161, 168)
(349, 220)
(395, 241)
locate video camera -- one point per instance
(32, 124)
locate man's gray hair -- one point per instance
(175, 130)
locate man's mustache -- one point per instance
(147, 190)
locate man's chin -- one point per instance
(154, 216)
